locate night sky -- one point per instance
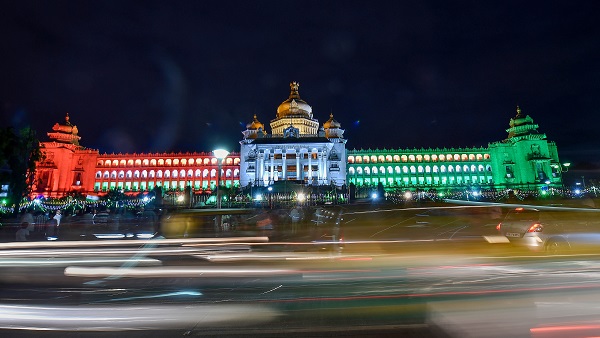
(146, 76)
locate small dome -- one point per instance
(294, 105)
(331, 123)
(255, 124)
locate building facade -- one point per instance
(301, 150)
(70, 168)
(298, 149)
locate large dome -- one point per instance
(255, 124)
(294, 106)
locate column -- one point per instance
(272, 179)
(297, 165)
(283, 165)
(310, 166)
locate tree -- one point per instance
(19, 153)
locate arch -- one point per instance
(168, 162)
(480, 168)
(411, 158)
(190, 173)
(206, 161)
(435, 169)
(350, 159)
(213, 161)
(228, 173)
(373, 159)
(159, 174)
(488, 168)
(434, 158)
(388, 158)
(442, 157)
(359, 171)
(486, 156)
(113, 174)
(419, 158)
(420, 169)
(213, 172)
(121, 174)
(198, 173)
(183, 162)
(457, 168)
(198, 161)
(176, 162)
(151, 174)
(236, 172)
(129, 174)
(405, 169)
(145, 162)
(390, 170)
(351, 171)
(106, 174)
(236, 161)
(404, 158)
(374, 170)
(358, 159)
(161, 162)
(205, 173)
(98, 174)
(380, 159)
(136, 174)
(471, 157)
(122, 163)
(443, 168)
(413, 169)
(381, 170)
(138, 162)
(167, 174)
(396, 158)
(115, 163)
(465, 168)
(464, 157)
(229, 161)
(426, 158)
(365, 159)
(129, 163)
(397, 170)
(153, 162)
(427, 169)
(473, 168)
(450, 169)
(367, 171)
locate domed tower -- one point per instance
(333, 128)
(65, 133)
(294, 112)
(254, 129)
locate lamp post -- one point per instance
(220, 154)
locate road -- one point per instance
(395, 274)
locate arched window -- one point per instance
(420, 169)
(98, 174)
(206, 161)
(466, 168)
(396, 158)
(182, 173)
(236, 172)
(136, 174)
(358, 159)
(480, 168)
(153, 162)
(405, 169)
(167, 174)
(198, 173)
(122, 163)
(397, 169)
(159, 174)
(145, 162)
(228, 161)
(115, 163)
(168, 162)
(367, 171)
(151, 175)
(413, 170)
(198, 161)
(435, 169)
(381, 159)
(390, 170)
(419, 158)
(228, 173)
(426, 158)
(184, 161)
(138, 163)
(113, 175)
(471, 157)
(464, 157)
(213, 173)
(130, 163)
(351, 171)
(473, 168)
(129, 174)
(359, 171)
(388, 158)
(161, 162)
(121, 174)
(374, 170)
(479, 157)
(411, 158)
(457, 169)
(404, 158)
(174, 174)
(236, 161)
(366, 159)
(434, 158)
(443, 169)
(176, 162)
(373, 159)
(350, 159)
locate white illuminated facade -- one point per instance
(298, 149)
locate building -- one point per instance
(298, 149)
(301, 150)
(524, 160)
(70, 168)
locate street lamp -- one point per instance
(220, 154)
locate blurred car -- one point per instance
(554, 231)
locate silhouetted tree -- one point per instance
(19, 153)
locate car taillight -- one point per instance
(498, 226)
(535, 228)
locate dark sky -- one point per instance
(140, 76)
